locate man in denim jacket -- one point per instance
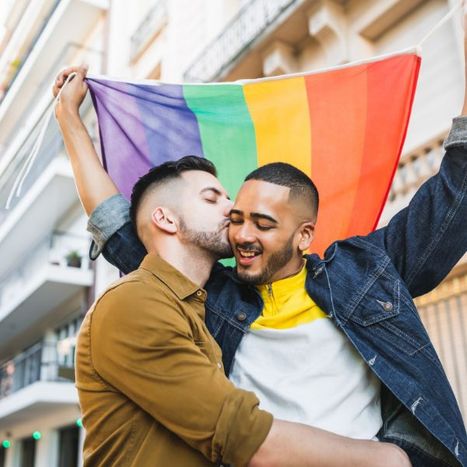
(364, 285)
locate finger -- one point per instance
(63, 74)
(83, 70)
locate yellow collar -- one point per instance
(280, 290)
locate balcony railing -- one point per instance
(41, 362)
(65, 250)
(415, 168)
(239, 33)
(152, 23)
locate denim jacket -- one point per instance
(366, 284)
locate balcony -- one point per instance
(48, 193)
(33, 381)
(72, 21)
(414, 169)
(238, 37)
(26, 129)
(148, 29)
(31, 294)
(30, 23)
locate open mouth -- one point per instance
(246, 256)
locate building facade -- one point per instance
(47, 282)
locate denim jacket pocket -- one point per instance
(377, 304)
(383, 314)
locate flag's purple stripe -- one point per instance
(125, 151)
(142, 126)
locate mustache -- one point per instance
(248, 247)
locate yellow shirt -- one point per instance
(303, 368)
(287, 304)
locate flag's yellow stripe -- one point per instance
(280, 115)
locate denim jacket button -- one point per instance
(241, 316)
(388, 306)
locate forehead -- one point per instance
(198, 180)
(262, 197)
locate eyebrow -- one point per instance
(255, 215)
(215, 191)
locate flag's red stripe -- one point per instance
(338, 106)
(391, 88)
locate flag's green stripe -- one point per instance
(227, 130)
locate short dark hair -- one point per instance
(164, 172)
(280, 173)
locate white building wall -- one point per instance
(47, 447)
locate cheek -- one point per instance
(231, 233)
(274, 242)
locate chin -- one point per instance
(248, 277)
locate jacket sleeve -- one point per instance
(155, 361)
(426, 239)
(113, 235)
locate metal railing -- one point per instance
(240, 32)
(415, 168)
(152, 23)
(59, 249)
(40, 362)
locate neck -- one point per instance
(292, 269)
(192, 262)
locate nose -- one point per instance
(242, 233)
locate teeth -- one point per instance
(247, 254)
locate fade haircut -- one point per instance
(280, 173)
(163, 173)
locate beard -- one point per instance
(276, 261)
(214, 242)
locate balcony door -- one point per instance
(28, 452)
(68, 446)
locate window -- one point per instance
(68, 446)
(28, 452)
(66, 343)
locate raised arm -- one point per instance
(92, 181)
(426, 239)
(107, 209)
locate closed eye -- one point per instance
(264, 227)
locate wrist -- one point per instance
(67, 114)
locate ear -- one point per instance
(306, 235)
(164, 219)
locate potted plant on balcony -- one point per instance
(73, 259)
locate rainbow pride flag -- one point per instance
(345, 127)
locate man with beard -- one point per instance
(149, 374)
(332, 342)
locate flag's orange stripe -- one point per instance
(338, 114)
(391, 88)
(279, 111)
